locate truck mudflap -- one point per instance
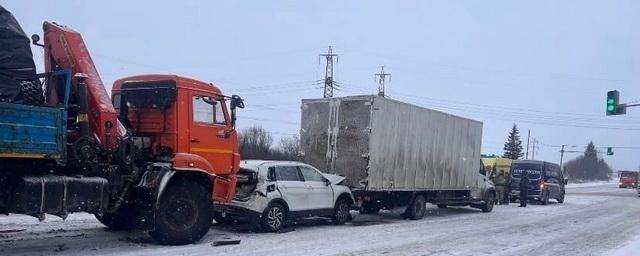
(58, 195)
(147, 193)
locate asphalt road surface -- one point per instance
(594, 220)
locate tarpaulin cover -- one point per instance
(16, 60)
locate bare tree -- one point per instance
(290, 147)
(255, 143)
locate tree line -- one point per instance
(257, 143)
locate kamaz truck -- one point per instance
(153, 156)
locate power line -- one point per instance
(382, 77)
(328, 73)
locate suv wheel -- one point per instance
(273, 217)
(341, 212)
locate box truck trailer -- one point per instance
(395, 154)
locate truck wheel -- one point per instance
(545, 199)
(341, 212)
(417, 208)
(184, 214)
(122, 219)
(369, 208)
(488, 204)
(273, 218)
(442, 206)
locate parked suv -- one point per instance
(271, 193)
(546, 181)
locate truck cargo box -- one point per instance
(32, 132)
(380, 144)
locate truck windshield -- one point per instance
(627, 174)
(534, 171)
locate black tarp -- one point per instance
(16, 60)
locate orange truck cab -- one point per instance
(187, 122)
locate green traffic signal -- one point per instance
(612, 102)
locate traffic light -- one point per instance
(613, 104)
(609, 151)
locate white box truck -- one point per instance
(396, 154)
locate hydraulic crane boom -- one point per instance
(65, 49)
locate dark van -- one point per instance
(545, 181)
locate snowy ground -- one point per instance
(596, 219)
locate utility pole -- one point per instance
(328, 74)
(382, 77)
(528, 136)
(561, 156)
(533, 150)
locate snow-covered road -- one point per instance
(594, 220)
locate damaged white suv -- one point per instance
(271, 193)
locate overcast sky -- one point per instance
(544, 65)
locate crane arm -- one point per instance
(65, 49)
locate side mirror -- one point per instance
(35, 39)
(565, 181)
(326, 181)
(236, 102)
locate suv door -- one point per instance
(292, 187)
(320, 192)
(211, 135)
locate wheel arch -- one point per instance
(346, 196)
(281, 202)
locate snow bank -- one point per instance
(630, 248)
(591, 184)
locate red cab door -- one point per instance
(210, 133)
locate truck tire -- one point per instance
(341, 212)
(122, 219)
(561, 199)
(488, 203)
(417, 208)
(31, 93)
(184, 213)
(273, 217)
(544, 200)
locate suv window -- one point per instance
(310, 174)
(287, 173)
